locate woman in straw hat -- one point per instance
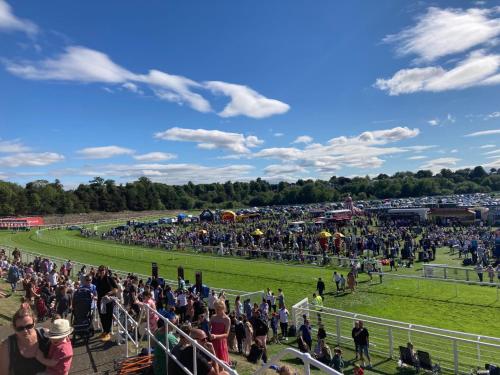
(60, 355)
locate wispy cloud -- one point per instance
(478, 69)
(81, 64)
(212, 139)
(155, 156)
(436, 165)
(417, 157)
(487, 146)
(483, 132)
(442, 32)
(104, 152)
(303, 139)
(9, 22)
(13, 146)
(30, 159)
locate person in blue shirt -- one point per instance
(305, 331)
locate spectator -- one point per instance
(283, 317)
(159, 360)
(337, 360)
(18, 351)
(320, 287)
(220, 325)
(479, 271)
(361, 339)
(106, 288)
(60, 355)
(337, 279)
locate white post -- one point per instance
(147, 327)
(338, 330)
(455, 356)
(195, 364)
(307, 368)
(391, 345)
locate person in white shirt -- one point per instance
(283, 315)
(53, 278)
(212, 298)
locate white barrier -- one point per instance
(455, 351)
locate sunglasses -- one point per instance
(26, 327)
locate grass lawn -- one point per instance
(464, 308)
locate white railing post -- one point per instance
(195, 364)
(307, 368)
(338, 329)
(147, 328)
(455, 356)
(391, 344)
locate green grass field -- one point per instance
(464, 308)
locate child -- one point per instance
(61, 351)
(337, 360)
(358, 370)
(274, 327)
(240, 333)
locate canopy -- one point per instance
(324, 234)
(203, 231)
(181, 216)
(338, 234)
(228, 216)
(257, 232)
(207, 215)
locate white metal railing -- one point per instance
(125, 324)
(171, 328)
(455, 351)
(444, 271)
(306, 358)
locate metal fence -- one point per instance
(454, 351)
(443, 271)
(155, 345)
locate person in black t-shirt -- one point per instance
(361, 340)
(106, 287)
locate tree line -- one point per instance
(42, 197)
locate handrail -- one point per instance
(306, 359)
(169, 325)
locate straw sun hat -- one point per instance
(59, 329)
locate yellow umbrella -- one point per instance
(338, 234)
(203, 231)
(324, 234)
(257, 232)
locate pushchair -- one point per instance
(81, 318)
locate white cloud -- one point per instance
(132, 87)
(81, 64)
(492, 152)
(487, 146)
(245, 101)
(30, 159)
(177, 89)
(175, 174)
(418, 157)
(75, 64)
(478, 69)
(303, 139)
(283, 169)
(361, 151)
(278, 134)
(420, 148)
(483, 132)
(212, 139)
(436, 165)
(454, 151)
(155, 156)
(104, 152)
(442, 32)
(492, 115)
(9, 22)
(433, 122)
(12, 146)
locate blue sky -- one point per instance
(231, 90)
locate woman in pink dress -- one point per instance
(220, 325)
(153, 318)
